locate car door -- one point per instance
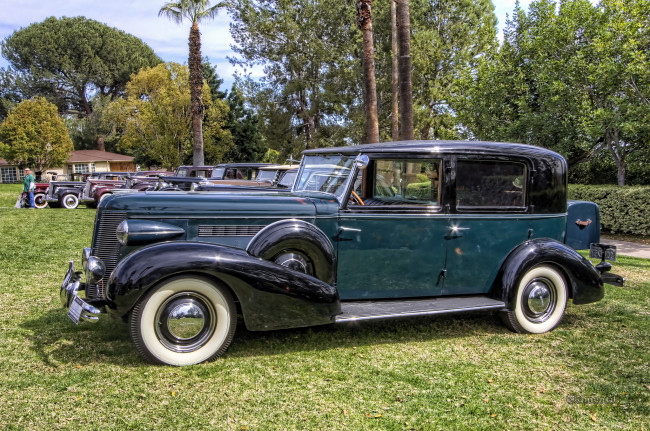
(391, 239)
(489, 221)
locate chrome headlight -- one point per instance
(96, 270)
(122, 232)
(85, 255)
(137, 232)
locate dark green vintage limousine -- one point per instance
(367, 232)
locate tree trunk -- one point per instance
(395, 69)
(364, 20)
(196, 95)
(613, 143)
(100, 143)
(406, 87)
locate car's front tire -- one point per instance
(69, 201)
(541, 300)
(39, 200)
(183, 321)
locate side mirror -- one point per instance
(361, 162)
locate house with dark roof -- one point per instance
(80, 161)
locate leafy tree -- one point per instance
(68, 59)
(211, 77)
(310, 93)
(243, 126)
(34, 135)
(570, 78)
(153, 122)
(194, 11)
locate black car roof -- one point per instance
(440, 147)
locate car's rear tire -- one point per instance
(540, 302)
(39, 200)
(69, 201)
(183, 321)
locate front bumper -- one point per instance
(78, 309)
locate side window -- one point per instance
(406, 182)
(490, 184)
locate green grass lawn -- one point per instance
(455, 372)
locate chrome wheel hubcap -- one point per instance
(185, 322)
(539, 299)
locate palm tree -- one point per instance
(406, 87)
(364, 20)
(194, 11)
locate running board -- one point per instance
(384, 309)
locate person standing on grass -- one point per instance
(28, 187)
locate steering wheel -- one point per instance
(354, 197)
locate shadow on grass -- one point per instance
(364, 334)
(57, 340)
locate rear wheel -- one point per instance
(69, 201)
(541, 300)
(39, 200)
(184, 321)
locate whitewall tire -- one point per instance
(541, 300)
(69, 201)
(185, 320)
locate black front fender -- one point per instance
(271, 296)
(584, 281)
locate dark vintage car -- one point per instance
(366, 232)
(97, 189)
(67, 194)
(236, 171)
(193, 171)
(270, 177)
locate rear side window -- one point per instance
(490, 185)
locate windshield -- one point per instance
(266, 175)
(325, 173)
(217, 173)
(288, 179)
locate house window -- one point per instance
(92, 167)
(81, 168)
(9, 175)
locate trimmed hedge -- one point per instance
(622, 209)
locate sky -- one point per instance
(140, 18)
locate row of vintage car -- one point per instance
(375, 231)
(91, 188)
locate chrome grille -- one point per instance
(86, 190)
(229, 230)
(106, 246)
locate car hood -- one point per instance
(222, 204)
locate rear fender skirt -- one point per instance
(271, 296)
(293, 234)
(583, 280)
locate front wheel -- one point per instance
(184, 321)
(69, 201)
(39, 200)
(541, 300)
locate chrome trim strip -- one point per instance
(343, 319)
(359, 215)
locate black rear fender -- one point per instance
(585, 283)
